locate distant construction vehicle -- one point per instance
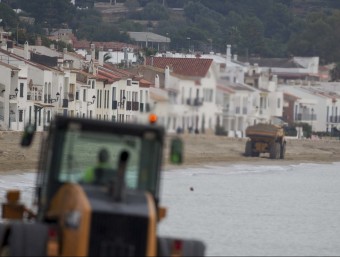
(265, 138)
(115, 212)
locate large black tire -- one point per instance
(28, 239)
(283, 150)
(255, 154)
(274, 151)
(248, 150)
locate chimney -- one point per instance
(228, 53)
(167, 77)
(157, 81)
(93, 51)
(235, 57)
(26, 51)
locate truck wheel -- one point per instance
(248, 150)
(23, 243)
(255, 154)
(283, 151)
(274, 150)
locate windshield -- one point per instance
(83, 152)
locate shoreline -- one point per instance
(199, 150)
(169, 168)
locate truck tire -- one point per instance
(283, 150)
(248, 150)
(274, 151)
(255, 154)
(28, 239)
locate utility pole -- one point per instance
(17, 33)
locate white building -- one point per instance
(317, 107)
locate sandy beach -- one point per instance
(201, 149)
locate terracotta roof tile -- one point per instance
(290, 96)
(144, 83)
(225, 89)
(191, 67)
(106, 74)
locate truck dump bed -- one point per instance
(264, 130)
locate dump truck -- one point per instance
(115, 215)
(265, 138)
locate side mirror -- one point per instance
(176, 151)
(28, 135)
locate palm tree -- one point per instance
(107, 57)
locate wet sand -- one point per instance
(202, 149)
(212, 150)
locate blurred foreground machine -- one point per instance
(114, 215)
(265, 138)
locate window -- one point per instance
(141, 96)
(100, 98)
(208, 95)
(84, 95)
(183, 97)
(279, 103)
(21, 115)
(21, 89)
(107, 98)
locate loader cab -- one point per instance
(114, 216)
(72, 148)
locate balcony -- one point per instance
(334, 119)
(305, 117)
(147, 107)
(65, 103)
(128, 105)
(34, 97)
(135, 106)
(114, 105)
(71, 97)
(194, 101)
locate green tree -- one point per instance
(154, 11)
(252, 35)
(132, 5)
(8, 16)
(335, 72)
(49, 12)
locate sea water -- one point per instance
(245, 210)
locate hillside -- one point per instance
(267, 28)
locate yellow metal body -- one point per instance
(71, 198)
(75, 241)
(262, 147)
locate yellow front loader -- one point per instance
(115, 214)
